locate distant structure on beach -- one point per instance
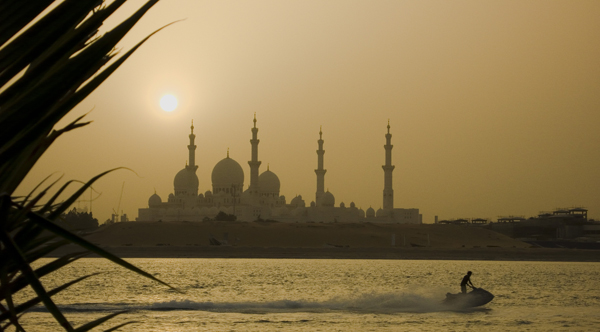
(562, 223)
(261, 200)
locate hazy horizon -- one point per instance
(493, 106)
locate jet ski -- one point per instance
(475, 298)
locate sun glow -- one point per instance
(168, 103)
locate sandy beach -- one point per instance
(320, 241)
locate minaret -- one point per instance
(320, 171)
(192, 148)
(254, 163)
(388, 168)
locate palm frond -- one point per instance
(16, 14)
(32, 279)
(98, 321)
(120, 326)
(28, 304)
(51, 58)
(48, 225)
(20, 282)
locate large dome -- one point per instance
(227, 172)
(186, 180)
(327, 199)
(269, 182)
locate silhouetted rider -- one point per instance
(466, 281)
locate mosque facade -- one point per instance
(261, 199)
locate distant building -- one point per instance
(567, 223)
(261, 199)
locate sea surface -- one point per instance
(326, 295)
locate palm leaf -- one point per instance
(26, 198)
(50, 203)
(48, 64)
(48, 225)
(21, 282)
(34, 281)
(67, 203)
(40, 36)
(119, 326)
(98, 321)
(28, 304)
(11, 312)
(16, 14)
(32, 255)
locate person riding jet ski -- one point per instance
(466, 281)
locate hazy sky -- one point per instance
(494, 106)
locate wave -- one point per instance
(365, 302)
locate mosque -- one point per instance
(261, 199)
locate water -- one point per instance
(327, 295)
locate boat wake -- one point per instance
(361, 303)
(365, 302)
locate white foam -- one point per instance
(364, 302)
(382, 302)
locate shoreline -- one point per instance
(319, 241)
(403, 253)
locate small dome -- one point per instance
(186, 180)
(352, 205)
(370, 212)
(208, 193)
(298, 201)
(154, 200)
(342, 205)
(327, 199)
(201, 196)
(269, 182)
(381, 213)
(299, 211)
(312, 204)
(226, 173)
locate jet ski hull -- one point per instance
(477, 297)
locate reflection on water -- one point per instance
(329, 295)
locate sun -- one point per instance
(168, 103)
